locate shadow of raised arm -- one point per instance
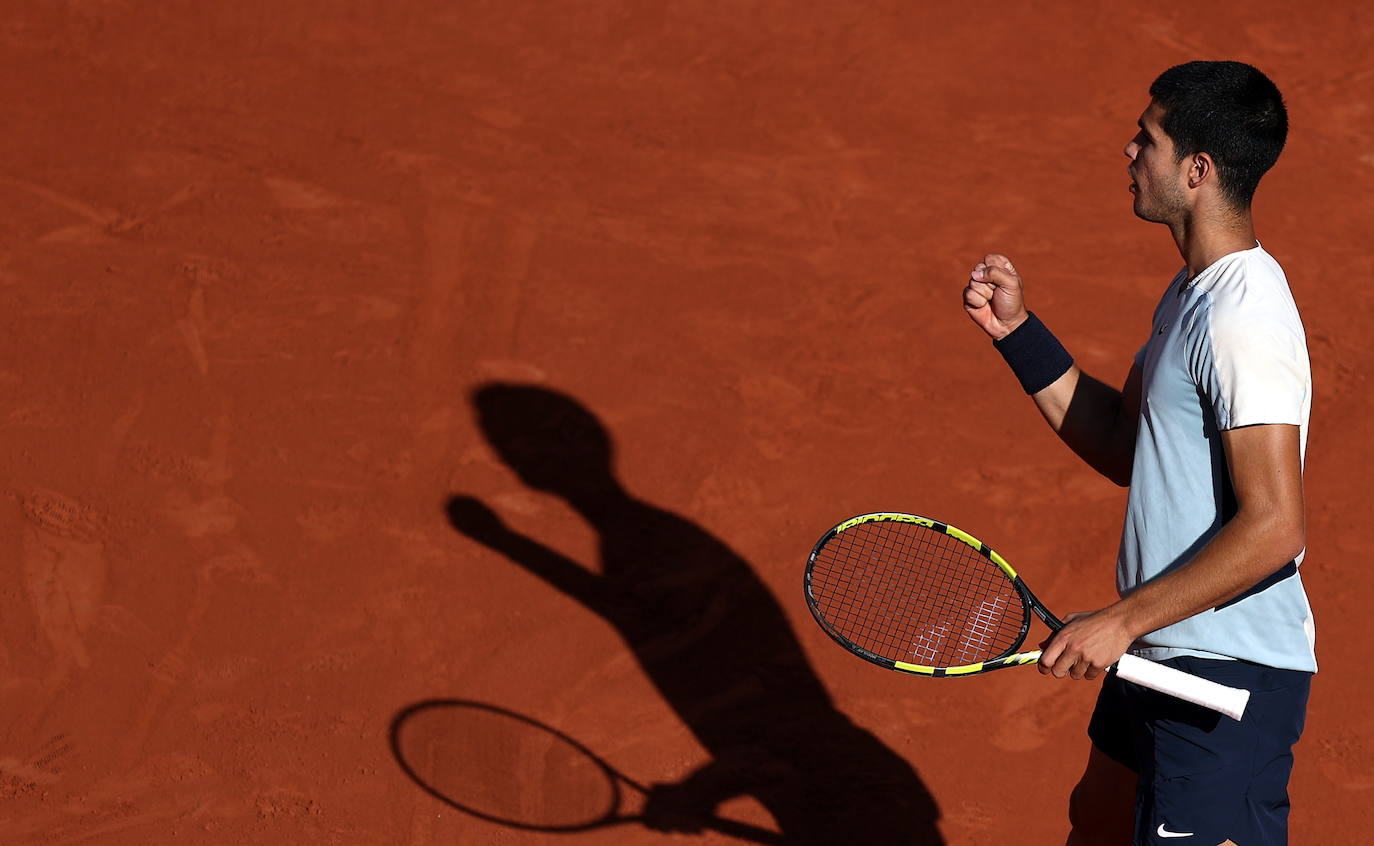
(478, 521)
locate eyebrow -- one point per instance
(1140, 122)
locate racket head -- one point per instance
(916, 595)
(504, 767)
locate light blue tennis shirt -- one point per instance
(1227, 349)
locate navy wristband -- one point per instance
(1034, 354)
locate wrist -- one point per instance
(1034, 354)
(1012, 325)
(1130, 617)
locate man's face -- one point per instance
(1157, 181)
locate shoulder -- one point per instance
(1246, 295)
(1250, 282)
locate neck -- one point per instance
(597, 500)
(1203, 238)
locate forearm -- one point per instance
(1248, 548)
(1091, 418)
(1267, 531)
(473, 518)
(1245, 551)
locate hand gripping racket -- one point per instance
(916, 595)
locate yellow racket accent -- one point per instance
(952, 531)
(965, 670)
(886, 516)
(964, 536)
(1001, 562)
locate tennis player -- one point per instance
(1209, 433)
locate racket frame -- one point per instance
(1009, 658)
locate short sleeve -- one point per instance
(1252, 368)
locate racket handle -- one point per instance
(1230, 701)
(744, 831)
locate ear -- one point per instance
(1201, 168)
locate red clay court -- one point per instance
(363, 357)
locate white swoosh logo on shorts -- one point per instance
(1164, 832)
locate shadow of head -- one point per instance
(548, 438)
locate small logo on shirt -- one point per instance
(1162, 327)
(1164, 832)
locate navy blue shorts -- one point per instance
(1206, 778)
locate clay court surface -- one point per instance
(356, 358)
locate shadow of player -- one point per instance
(708, 634)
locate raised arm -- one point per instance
(473, 518)
(1097, 421)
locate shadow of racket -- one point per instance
(507, 768)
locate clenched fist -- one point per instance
(993, 299)
(475, 519)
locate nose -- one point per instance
(1132, 148)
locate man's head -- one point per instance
(548, 438)
(1222, 123)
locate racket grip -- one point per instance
(1230, 701)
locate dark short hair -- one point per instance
(1232, 112)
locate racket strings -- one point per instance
(503, 767)
(910, 593)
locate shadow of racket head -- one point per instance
(507, 768)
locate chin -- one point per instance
(1147, 214)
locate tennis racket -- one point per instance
(919, 596)
(507, 768)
